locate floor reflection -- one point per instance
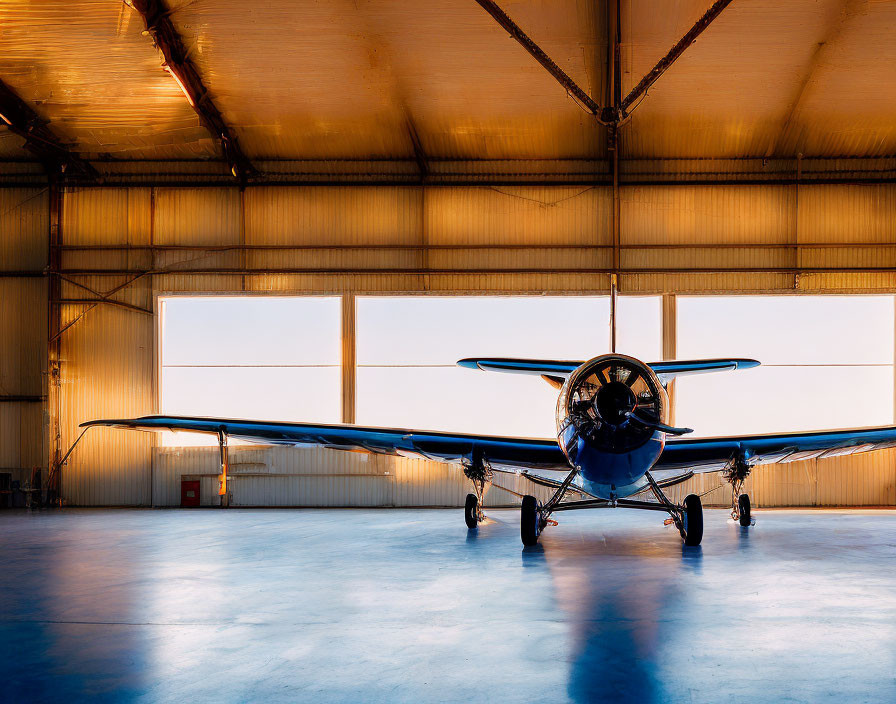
(617, 594)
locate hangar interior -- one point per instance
(376, 149)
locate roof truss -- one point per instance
(156, 16)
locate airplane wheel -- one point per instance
(471, 511)
(743, 509)
(529, 519)
(692, 520)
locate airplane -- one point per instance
(613, 443)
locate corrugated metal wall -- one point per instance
(392, 239)
(282, 476)
(23, 331)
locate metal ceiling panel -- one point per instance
(86, 67)
(316, 80)
(732, 92)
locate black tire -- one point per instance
(743, 509)
(692, 520)
(529, 520)
(471, 511)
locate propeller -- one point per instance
(656, 425)
(615, 403)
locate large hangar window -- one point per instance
(407, 348)
(827, 362)
(258, 357)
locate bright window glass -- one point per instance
(408, 347)
(827, 362)
(258, 357)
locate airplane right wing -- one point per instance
(713, 454)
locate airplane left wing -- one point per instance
(713, 454)
(499, 451)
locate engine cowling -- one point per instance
(607, 417)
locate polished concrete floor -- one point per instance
(406, 606)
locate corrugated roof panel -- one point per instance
(11, 145)
(311, 79)
(849, 102)
(86, 67)
(730, 93)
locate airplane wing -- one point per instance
(560, 369)
(713, 454)
(511, 453)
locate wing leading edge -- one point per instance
(522, 453)
(699, 455)
(563, 368)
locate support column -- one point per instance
(348, 358)
(613, 291)
(54, 381)
(670, 338)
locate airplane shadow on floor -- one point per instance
(618, 593)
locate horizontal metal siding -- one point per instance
(106, 373)
(282, 476)
(24, 223)
(22, 440)
(867, 479)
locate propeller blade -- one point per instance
(656, 425)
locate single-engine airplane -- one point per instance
(613, 442)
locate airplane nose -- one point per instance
(614, 402)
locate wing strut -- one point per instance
(223, 491)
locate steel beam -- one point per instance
(177, 62)
(391, 271)
(540, 56)
(14, 398)
(673, 54)
(20, 119)
(419, 154)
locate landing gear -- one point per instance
(692, 520)
(472, 512)
(688, 517)
(531, 521)
(743, 509)
(534, 518)
(478, 472)
(736, 473)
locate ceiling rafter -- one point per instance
(541, 57)
(419, 154)
(178, 63)
(22, 120)
(664, 63)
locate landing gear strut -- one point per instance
(480, 474)
(534, 518)
(688, 517)
(736, 473)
